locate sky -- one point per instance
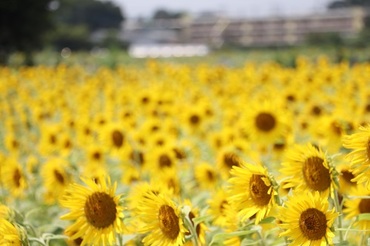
(237, 8)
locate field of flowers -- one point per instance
(185, 154)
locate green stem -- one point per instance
(338, 207)
(34, 239)
(193, 233)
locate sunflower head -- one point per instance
(306, 219)
(258, 198)
(95, 210)
(161, 217)
(309, 164)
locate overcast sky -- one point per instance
(246, 8)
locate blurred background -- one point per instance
(120, 31)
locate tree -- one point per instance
(348, 3)
(165, 14)
(76, 20)
(23, 25)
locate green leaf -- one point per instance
(267, 220)
(221, 237)
(364, 216)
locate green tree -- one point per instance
(77, 20)
(23, 25)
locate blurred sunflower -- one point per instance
(220, 210)
(55, 177)
(13, 177)
(200, 228)
(307, 168)
(115, 138)
(227, 158)
(206, 175)
(95, 210)
(160, 158)
(9, 234)
(307, 220)
(346, 184)
(162, 220)
(356, 206)
(265, 122)
(251, 191)
(50, 138)
(359, 157)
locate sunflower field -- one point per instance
(186, 154)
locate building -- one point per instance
(216, 30)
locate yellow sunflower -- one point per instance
(227, 158)
(162, 221)
(115, 137)
(355, 206)
(200, 228)
(13, 177)
(220, 210)
(346, 184)
(307, 220)
(307, 168)
(55, 177)
(9, 235)
(265, 122)
(206, 175)
(251, 191)
(359, 157)
(95, 210)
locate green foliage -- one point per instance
(23, 24)
(92, 13)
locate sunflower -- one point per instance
(356, 206)
(265, 122)
(140, 191)
(307, 220)
(200, 228)
(56, 178)
(206, 175)
(251, 191)
(9, 234)
(115, 137)
(307, 168)
(227, 158)
(162, 221)
(220, 209)
(95, 211)
(161, 158)
(13, 177)
(360, 155)
(346, 184)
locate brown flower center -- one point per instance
(317, 177)
(117, 138)
(316, 110)
(210, 175)
(230, 160)
(194, 119)
(17, 177)
(313, 224)
(100, 210)
(137, 156)
(97, 155)
(164, 161)
(168, 222)
(265, 122)
(59, 177)
(348, 176)
(259, 190)
(364, 206)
